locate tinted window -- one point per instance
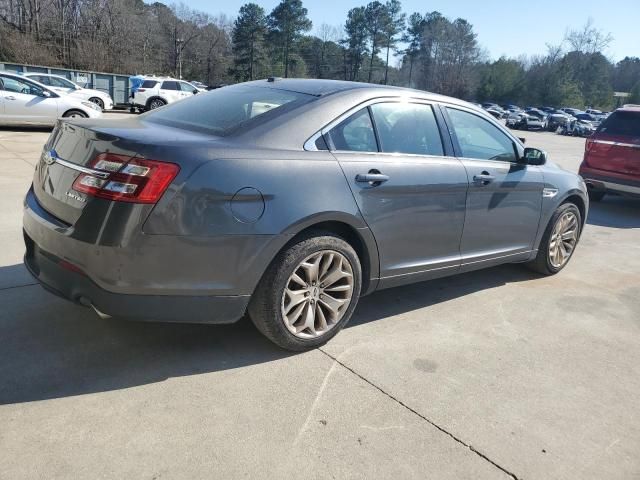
(170, 85)
(227, 109)
(148, 84)
(478, 138)
(20, 86)
(622, 123)
(355, 134)
(407, 128)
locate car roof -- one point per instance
(629, 108)
(324, 88)
(18, 76)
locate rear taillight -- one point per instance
(587, 145)
(134, 180)
(141, 89)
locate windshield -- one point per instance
(225, 110)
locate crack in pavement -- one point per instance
(442, 429)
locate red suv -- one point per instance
(612, 155)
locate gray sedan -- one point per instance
(288, 200)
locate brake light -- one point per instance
(141, 89)
(587, 145)
(136, 180)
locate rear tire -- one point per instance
(596, 196)
(282, 297)
(156, 103)
(75, 114)
(553, 241)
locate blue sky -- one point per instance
(503, 27)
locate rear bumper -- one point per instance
(147, 277)
(58, 277)
(598, 180)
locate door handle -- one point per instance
(372, 178)
(483, 179)
(10, 97)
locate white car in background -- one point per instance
(65, 86)
(159, 91)
(24, 101)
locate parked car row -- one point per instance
(24, 100)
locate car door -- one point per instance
(409, 192)
(505, 196)
(24, 102)
(170, 91)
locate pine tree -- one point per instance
(247, 36)
(287, 22)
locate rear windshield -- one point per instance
(225, 110)
(622, 123)
(148, 84)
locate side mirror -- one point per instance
(534, 156)
(195, 92)
(45, 94)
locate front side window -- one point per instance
(355, 134)
(407, 128)
(479, 138)
(226, 110)
(185, 87)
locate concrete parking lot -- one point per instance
(494, 374)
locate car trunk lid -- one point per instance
(74, 148)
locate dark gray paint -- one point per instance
(238, 200)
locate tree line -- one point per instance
(377, 43)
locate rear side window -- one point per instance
(622, 123)
(480, 139)
(170, 85)
(226, 110)
(148, 84)
(407, 128)
(355, 134)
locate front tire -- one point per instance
(75, 114)
(559, 240)
(98, 102)
(308, 293)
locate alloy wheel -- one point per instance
(156, 104)
(563, 239)
(98, 102)
(317, 294)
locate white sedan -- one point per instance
(65, 86)
(26, 102)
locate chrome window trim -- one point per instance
(309, 145)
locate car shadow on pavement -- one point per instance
(21, 129)
(52, 348)
(615, 211)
